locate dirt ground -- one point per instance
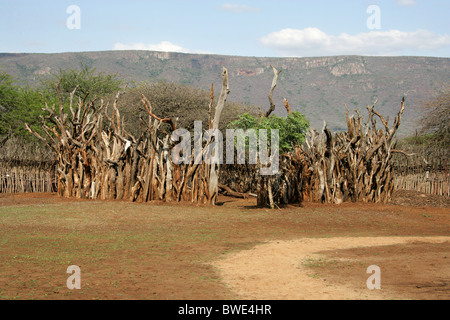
(233, 251)
(335, 269)
(417, 199)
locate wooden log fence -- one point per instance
(98, 159)
(435, 183)
(426, 171)
(27, 177)
(355, 165)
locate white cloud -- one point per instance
(406, 3)
(314, 42)
(237, 8)
(164, 46)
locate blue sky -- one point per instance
(265, 28)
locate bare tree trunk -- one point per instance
(274, 84)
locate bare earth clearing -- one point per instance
(281, 269)
(233, 251)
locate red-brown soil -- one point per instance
(182, 251)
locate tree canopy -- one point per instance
(19, 105)
(87, 80)
(181, 103)
(292, 129)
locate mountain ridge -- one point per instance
(319, 87)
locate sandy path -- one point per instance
(274, 271)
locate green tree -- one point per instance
(20, 105)
(10, 99)
(86, 79)
(8, 93)
(292, 129)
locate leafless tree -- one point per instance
(436, 120)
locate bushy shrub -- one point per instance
(87, 79)
(181, 103)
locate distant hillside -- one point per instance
(318, 87)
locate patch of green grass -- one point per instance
(318, 263)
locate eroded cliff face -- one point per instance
(43, 71)
(349, 68)
(249, 72)
(336, 66)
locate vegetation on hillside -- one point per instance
(184, 104)
(318, 87)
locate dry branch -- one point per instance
(147, 106)
(274, 84)
(287, 106)
(230, 192)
